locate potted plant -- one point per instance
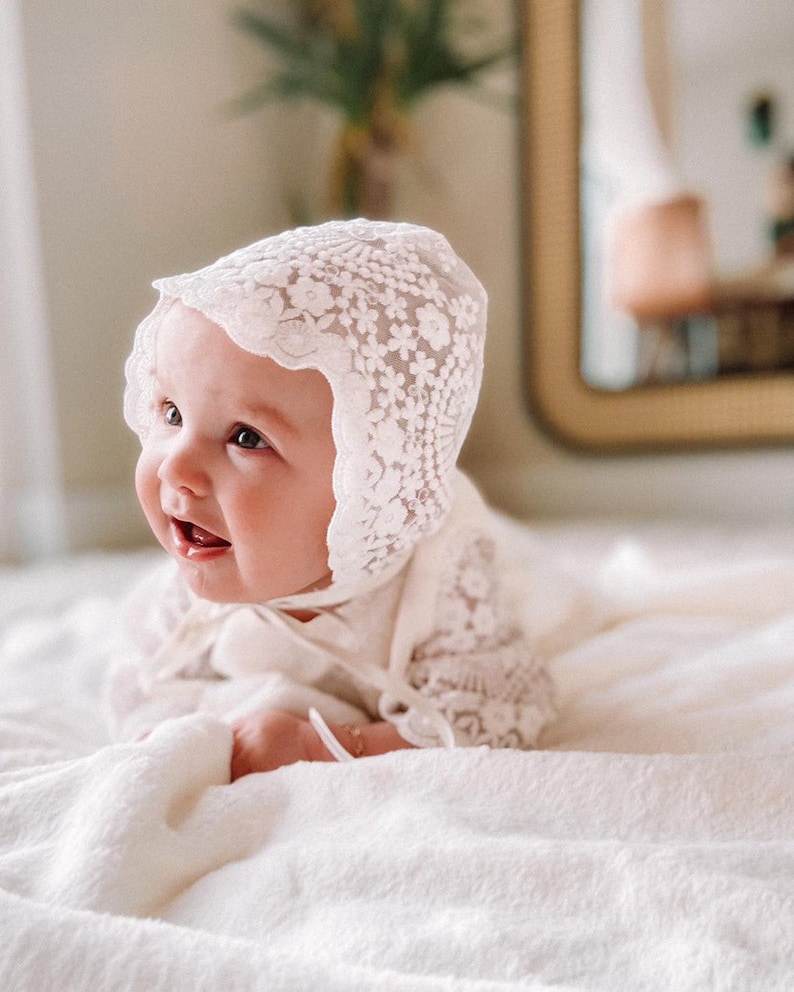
(372, 61)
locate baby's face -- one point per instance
(235, 474)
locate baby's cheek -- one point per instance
(146, 482)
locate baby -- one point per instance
(332, 589)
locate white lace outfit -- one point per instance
(412, 628)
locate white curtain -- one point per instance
(31, 497)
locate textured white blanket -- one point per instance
(651, 846)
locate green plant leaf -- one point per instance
(287, 43)
(391, 52)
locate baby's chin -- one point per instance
(219, 589)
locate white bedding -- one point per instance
(649, 845)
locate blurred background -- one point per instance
(127, 155)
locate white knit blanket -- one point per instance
(649, 845)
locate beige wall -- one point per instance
(140, 173)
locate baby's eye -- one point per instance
(247, 437)
(171, 415)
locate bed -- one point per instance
(649, 844)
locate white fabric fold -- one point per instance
(458, 870)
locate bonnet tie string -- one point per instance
(202, 622)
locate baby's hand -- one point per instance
(267, 739)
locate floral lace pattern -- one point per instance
(477, 667)
(396, 322)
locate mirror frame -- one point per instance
(735, 411)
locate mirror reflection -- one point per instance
(687, 190)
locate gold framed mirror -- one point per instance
(738, 410)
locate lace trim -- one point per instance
(477, 667)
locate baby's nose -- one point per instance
(184, 468)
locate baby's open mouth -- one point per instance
(199, 537)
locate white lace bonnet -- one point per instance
(395, 321)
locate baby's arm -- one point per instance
(267, 739)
